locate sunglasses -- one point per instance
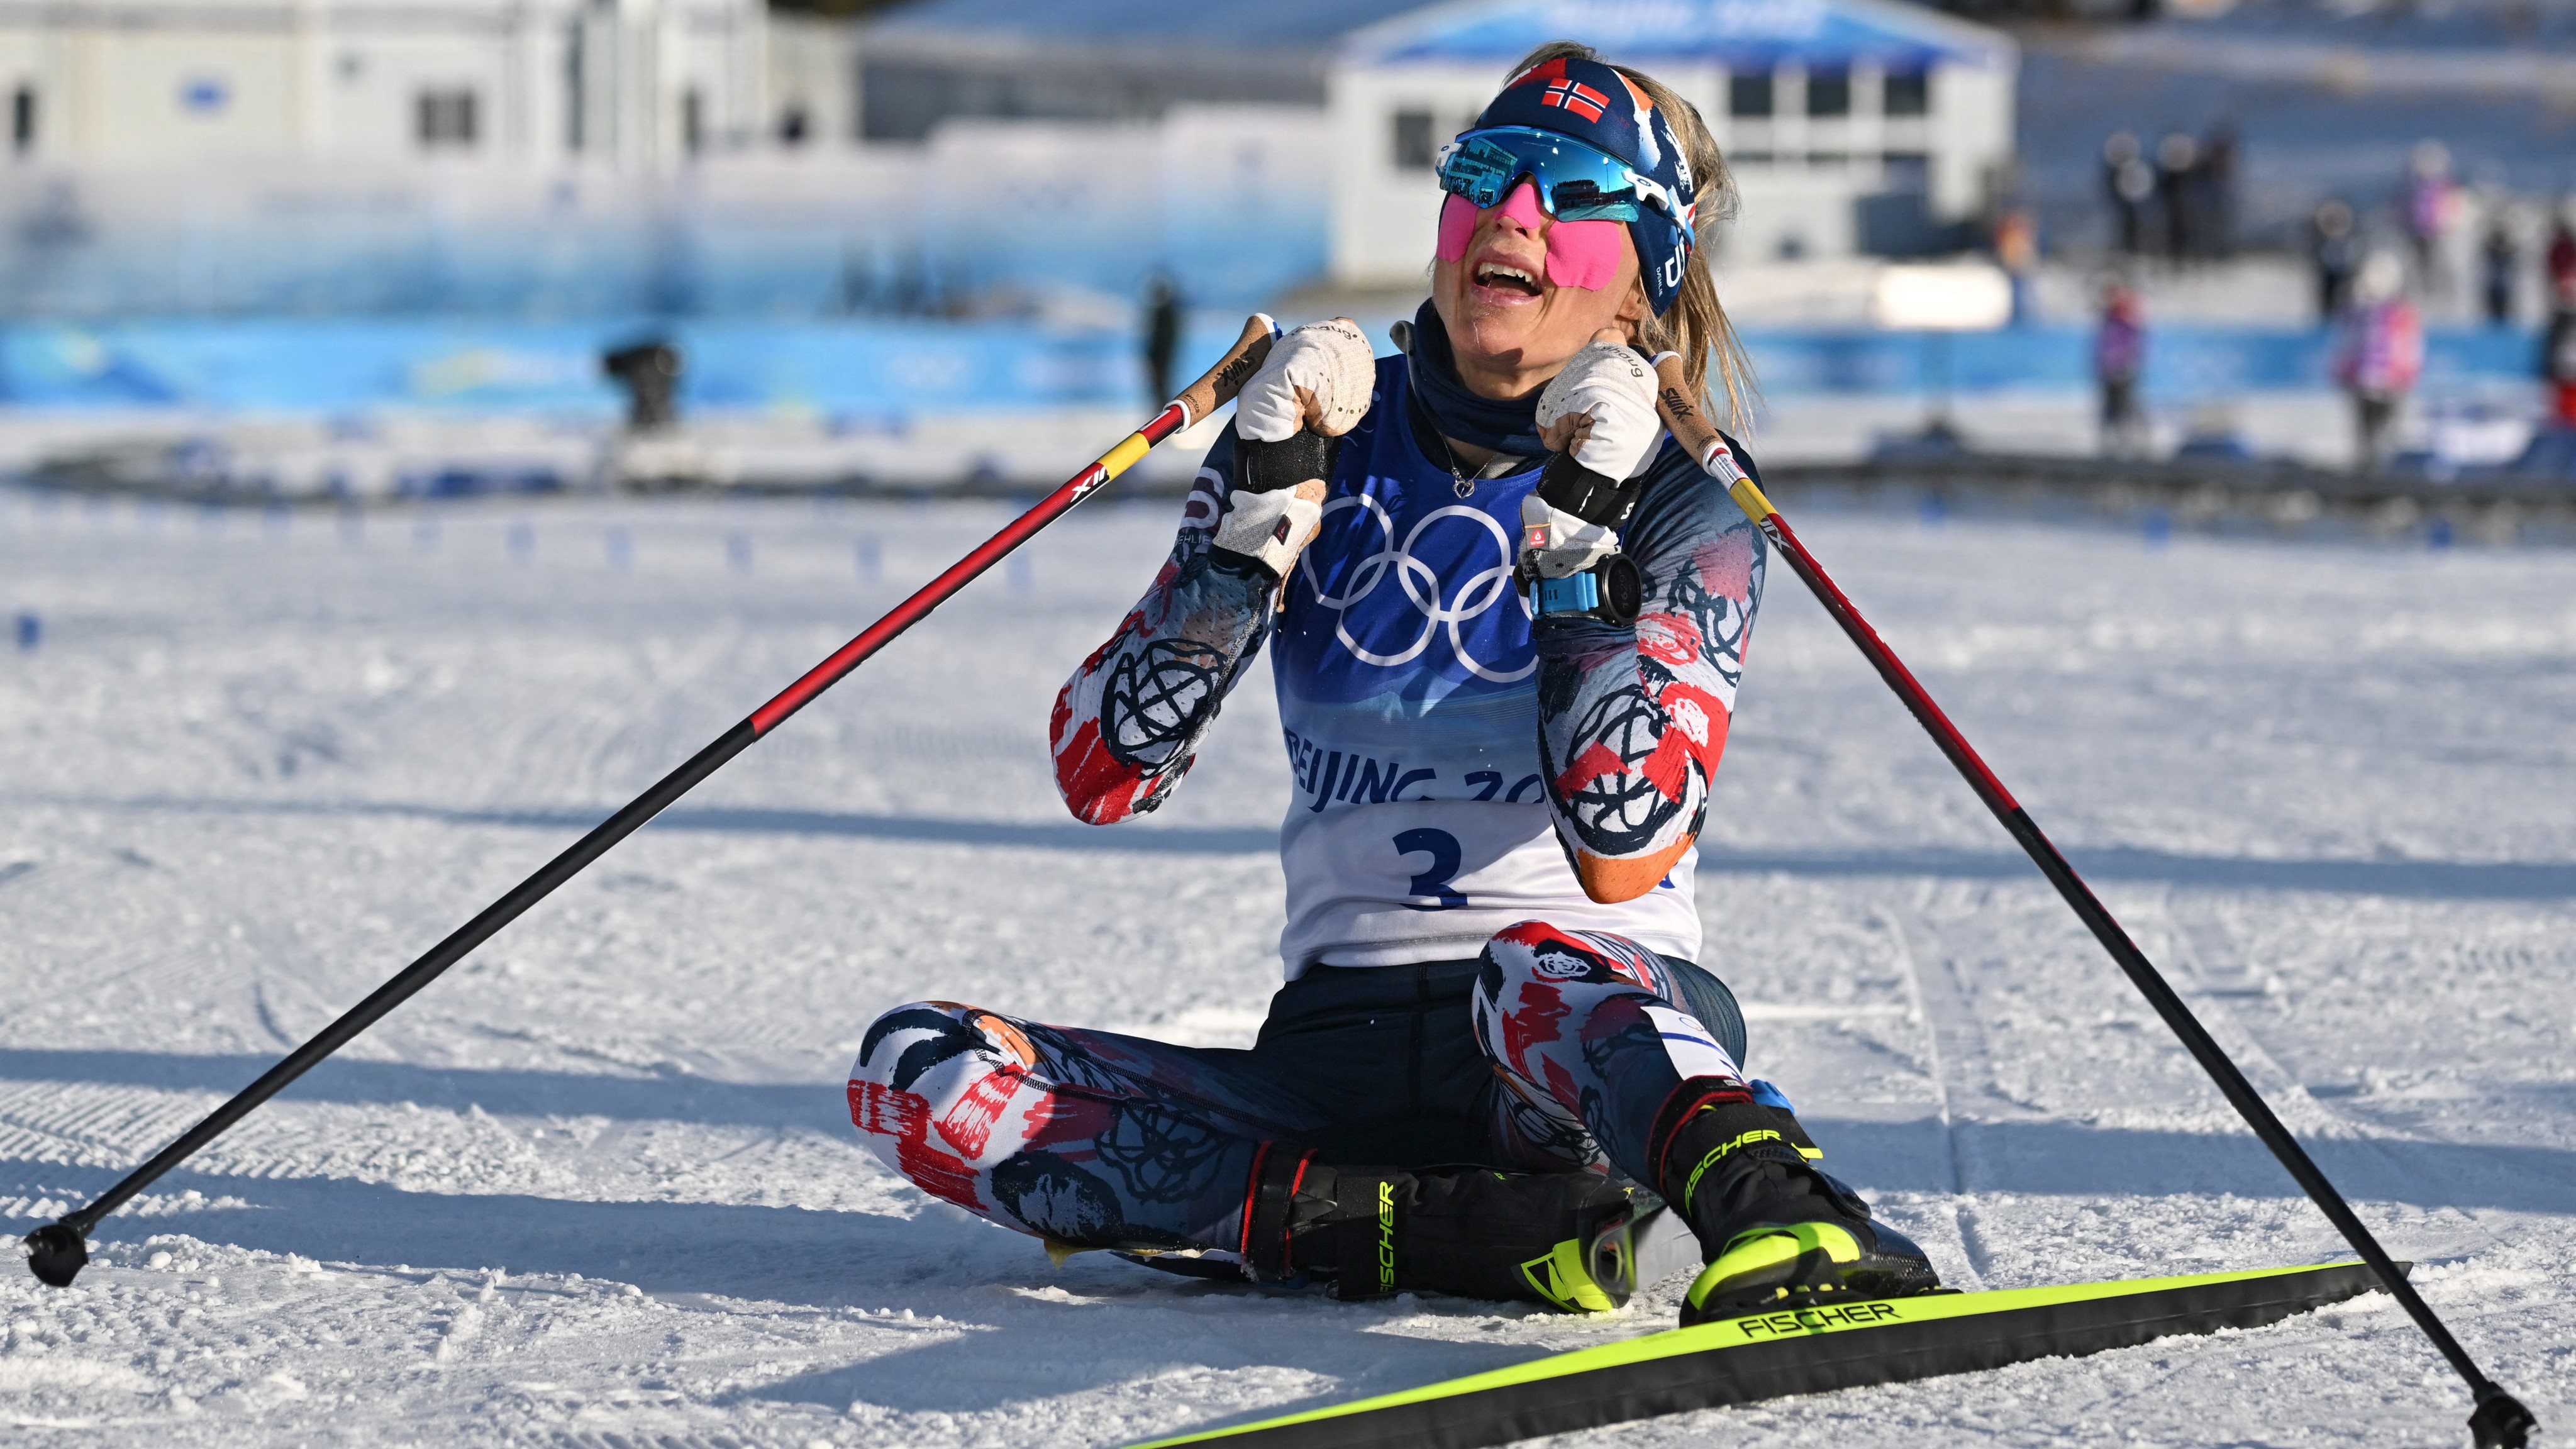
(1575, 182)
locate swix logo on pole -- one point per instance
(1577, 97)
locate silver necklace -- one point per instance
(1461, 484)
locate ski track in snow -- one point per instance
(597, 1187)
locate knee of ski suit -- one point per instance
(1591, 1032)
(928, 1087)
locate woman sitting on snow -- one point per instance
(1507, 619)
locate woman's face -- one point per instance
(1522, 292)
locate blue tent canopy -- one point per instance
(1738, 34)
(1148, 23)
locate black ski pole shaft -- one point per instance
(2499, 1419)
(404, 983)
(59, 1250)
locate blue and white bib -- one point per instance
(1408, 699)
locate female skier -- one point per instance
(1507, 620)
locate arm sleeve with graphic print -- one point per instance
(1632, 720)
(1127, 723)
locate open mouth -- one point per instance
(1503, 277)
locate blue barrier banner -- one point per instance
(2185, 364)
(862, 370)
(885, 370)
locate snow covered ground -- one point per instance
(597, 1186)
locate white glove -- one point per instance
(1318, 377)
(1601, 408)
(1556, 544)
(1273, 527)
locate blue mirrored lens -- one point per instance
(1575, 181)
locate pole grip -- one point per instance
(1699, 437)
(1217, 386)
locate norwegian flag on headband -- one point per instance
(1577, 97)
(1594, 104)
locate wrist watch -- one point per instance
(1612, 591)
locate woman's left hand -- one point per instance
(1601, 408)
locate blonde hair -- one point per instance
(1695, 324)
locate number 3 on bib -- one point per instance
(1435, 882)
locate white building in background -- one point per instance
(1850, 125)
(639, 84)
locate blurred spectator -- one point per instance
(2562, 249)
(2178, 185)
(2335, 245)
(649, 371)
(2119, 361)
(2017, 252)
(2129, 183)
(2498, 260)
(2432, 210)
(2558, 354)
(1162, 336)
(2380, 354)
(2218, 191)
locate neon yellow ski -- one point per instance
(1804, 1350)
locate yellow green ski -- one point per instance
(1800, 1351)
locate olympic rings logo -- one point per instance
(1476, 597)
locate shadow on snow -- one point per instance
(2427, 879)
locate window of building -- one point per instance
(693, 121)
(1909, 95)
(443, 119)
(1829, 93)
(22, 120)
(1906, 170)
(576, 86)
(1413, 146)
(1749, 95)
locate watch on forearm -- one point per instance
(1612, 589)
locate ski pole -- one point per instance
(2499, 1419)
(59, 1250)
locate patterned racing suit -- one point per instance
(1490, 923)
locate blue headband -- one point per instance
(1603, 109)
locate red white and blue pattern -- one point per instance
(1454, 768)
(1099, 1140)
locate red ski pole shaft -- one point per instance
(58, 1251)
(2499, 1418)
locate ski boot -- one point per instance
(1774, 1230)
(1559, 1238)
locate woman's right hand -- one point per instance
(1288, 420)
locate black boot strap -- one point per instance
(1277, 1172)
(1684, 1104)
